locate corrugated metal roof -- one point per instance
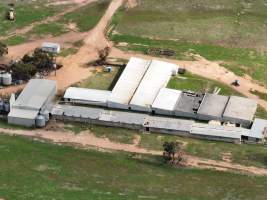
(168, 123)
(258, 127)
(156, 77)
(218, 131)
(90, 95)
(50, 45)
(166, 99)
(128, 81)
(240, 108)
(213, 105)
(35, 94)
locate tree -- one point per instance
(172, 152)
(41, 60)
(3, 49)
(23, 71)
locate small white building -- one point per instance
(51, 47)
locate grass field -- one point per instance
(194, 82)
(228, 31)
(82, 19)
(86, 17)
(34, 170)
(27, 12)
(102, 80)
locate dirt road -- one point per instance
(88, 140)
(208, 69)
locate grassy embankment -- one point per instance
(34, 170)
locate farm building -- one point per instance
(128, 82)
(218, 132)
(51, 47)
(240, 110)
(156, 77)
(167, 125)
(35, 99)
(258, 131)
(166, 101)
(87, 96)
(212, 107)
(188, 104)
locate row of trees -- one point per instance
(29, 65)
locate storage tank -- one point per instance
(40, 121)
(6, 107)
(6, 79)
(46, 115)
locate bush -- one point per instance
(23, 71)
(3, 49)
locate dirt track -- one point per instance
(88, 140)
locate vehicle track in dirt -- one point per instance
(87, 140)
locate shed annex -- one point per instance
(87, 96)
(240, 110)
(165, 101)
(128, 82)
(212, 107)
(156, 77)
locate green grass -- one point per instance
(260, 94)
(120, 135)
(34, 170)
(15, 40)
(229, 23)
(86, 17)
(68, 51)
(193, 82)
(240, 61)
(102, 80)
(52, 28)
(261, 112)
(27, 12)
(251, 155)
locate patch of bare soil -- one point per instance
(131, 3)
(227, 157)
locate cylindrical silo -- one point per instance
(6, 79)
(40, 121)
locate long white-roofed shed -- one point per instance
(128, 82)
(156, 77)
(87, 96)
(165, 101)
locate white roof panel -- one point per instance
(89, 95)
(22, 113)
(166, 99)
(129, 81)
(156, 77)
(240, 108)
(35, 94)
(258, 128)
